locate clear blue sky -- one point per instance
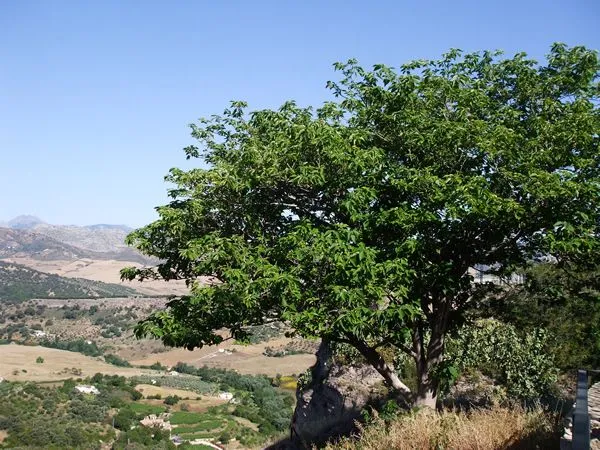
(95, 96)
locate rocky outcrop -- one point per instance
(332, 399)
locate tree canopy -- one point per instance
(359, 221)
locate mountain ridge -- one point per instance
(30, 236)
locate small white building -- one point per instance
(173, 373)
(226, 396)
(160, 421)
(85, 389)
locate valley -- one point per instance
(66, 317)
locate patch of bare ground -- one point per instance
(244, 359)
(3, 435)
(163, 391)
(18, 363)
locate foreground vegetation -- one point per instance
(487, 429)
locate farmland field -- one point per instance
(18, 363)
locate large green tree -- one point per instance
(358, 222)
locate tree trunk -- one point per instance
(426, 358)
(386, 370)
(426, 392)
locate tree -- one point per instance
(171, 400)
(359, 222)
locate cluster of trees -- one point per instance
(40, 417)
(358, 222)
(564, 300)
(82, 346)
(85, 347)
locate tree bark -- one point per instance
(426, 391)
(426, 358)
(385, 370)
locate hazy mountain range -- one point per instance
(29, 236)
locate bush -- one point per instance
(171, 400)
(39, 360)
(124, 419)
(516, 360)
(225, 437)
(158, 366)
(116, 360)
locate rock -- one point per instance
(333, 399)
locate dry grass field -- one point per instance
(163, 391)
(18, 363)
(244, 359)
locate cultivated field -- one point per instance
(18, 363)
(244, 359)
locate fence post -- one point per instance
(581, 417)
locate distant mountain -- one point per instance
(24, 222)
(22, 243)
(68, 243)
(19, 283)
(97, 238)
(104, 226)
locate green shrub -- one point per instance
(171, 400)
(517, 360)
(116, 360)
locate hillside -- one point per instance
(18, 242)
(97, 238)
(19, 283)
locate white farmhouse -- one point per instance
(226, 396)
(85, 389)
